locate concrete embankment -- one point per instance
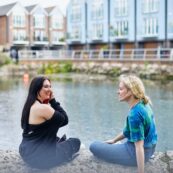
(11, 162)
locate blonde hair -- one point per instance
(136, 86)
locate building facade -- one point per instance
(32, 27)
(76, 24)
(56, 28)
(14, 26)
(123, 24)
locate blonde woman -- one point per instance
(140, 130)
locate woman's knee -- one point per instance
(75, 143)
(94, 147)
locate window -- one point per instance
(150, 6)
(121, 8)
(76, 32)
(76, 13)
(40, 36)
(97, 31)
(150, 26)
(57, 36)
(170, 23)
(57, 22)
(39, 21)
(120, 29)
(97, 10)
(19, 35)
(19, 20)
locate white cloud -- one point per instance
(45, 3)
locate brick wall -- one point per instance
(3, 30)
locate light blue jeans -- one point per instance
(123, 153)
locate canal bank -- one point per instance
(10, 161)
(162, 70)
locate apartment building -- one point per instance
(57, 28)
(38, 27)
(76, 24)
(97, 22)
(123, 24)
(14, 30)
(32, 27)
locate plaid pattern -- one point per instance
(140, 125)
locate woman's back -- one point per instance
(40, 146)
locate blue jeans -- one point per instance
(123, 153)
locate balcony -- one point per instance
(118, 34)
(22, 40)
(60, 41)
(97, 37)
(151, 35)
(40, 40)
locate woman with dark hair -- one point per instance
(42, 116)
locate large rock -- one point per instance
(10, 162)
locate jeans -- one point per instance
(121, 153)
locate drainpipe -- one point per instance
(109, 23)
(135, 23)
(86, 27)
(166, 24)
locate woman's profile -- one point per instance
(42, 116)
(140, 130)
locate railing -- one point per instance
(123, 54)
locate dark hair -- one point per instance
(35, 87)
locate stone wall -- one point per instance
(10, 162)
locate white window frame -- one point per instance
(97, 9)
(150, 27)
(121, 28)
(19, 20)
(97, 29)
(19, 35)
(39, 21)
(39, 34)
(76, 13)
(75, 32)
(57, 35)
(150, 6)
(57, 22)
(121, 8)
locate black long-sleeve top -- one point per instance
(39, 141)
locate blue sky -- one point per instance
(45, 3)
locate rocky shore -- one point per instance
(113, 69)
(10, 162)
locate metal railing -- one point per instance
(121, 54)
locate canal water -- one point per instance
(93, 109)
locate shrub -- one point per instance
(63, 67)
(4, 59)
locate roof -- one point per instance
(6, 8)
(49, 9)
(30, 8)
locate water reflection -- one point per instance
(92, 106)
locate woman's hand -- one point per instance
(111, 141)
(51, 95)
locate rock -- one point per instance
(11, 162)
